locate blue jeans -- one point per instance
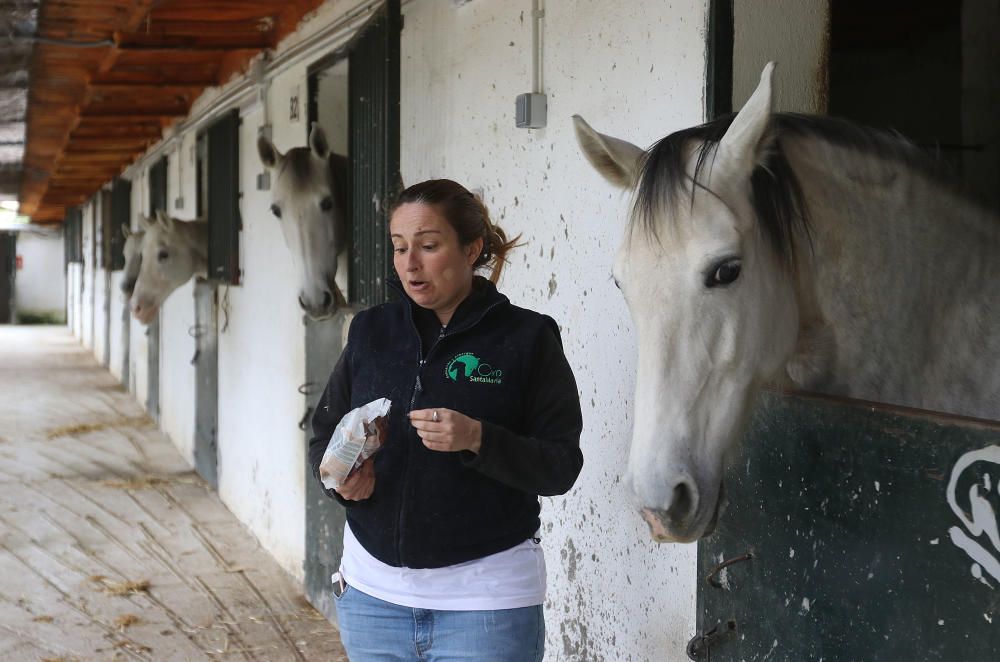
(373, 630)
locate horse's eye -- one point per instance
(162, 256)
(724, 273)
(276, 210)
(326, 204)
(617, 284)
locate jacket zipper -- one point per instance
(418, 387)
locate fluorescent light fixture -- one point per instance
(10, 205)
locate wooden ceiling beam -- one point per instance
(86, 132)
(105, 143)
(165, 117)
(96, 159)
(194, 39)
(209, 10)
(160, 75)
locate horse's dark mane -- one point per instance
(778, 200)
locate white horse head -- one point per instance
(308, 196)
(171, 253)
(132, 250)
(714, 308)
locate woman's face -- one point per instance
(436, 270)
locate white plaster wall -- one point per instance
(87, 303)
(117, 311)
(635, 70)
(40, 286)
(76, 297)
(100, 321)
(261, 364)
(138, 363)
(793, 33)
(177, 374)
(71, 310)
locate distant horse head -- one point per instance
(133, 259)
(309, 198)
(171, 253)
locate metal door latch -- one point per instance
(699, 648)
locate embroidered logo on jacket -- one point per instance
(473, 368)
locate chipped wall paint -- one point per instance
(100, 321)
(118, 310)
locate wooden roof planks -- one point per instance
(108, 76)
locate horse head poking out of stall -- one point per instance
(309, 198)
(171, 252)
(772, 248)
(132, 251)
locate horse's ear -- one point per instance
(269, 154)
(145, 222)
(618, 161)
(745, 141)
(164, 219)
(317, 141)
(126, 231)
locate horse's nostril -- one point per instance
(327, 298)
(683, 503)
(302, 304)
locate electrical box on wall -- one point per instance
(531, 110)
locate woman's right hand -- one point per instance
(360, 484)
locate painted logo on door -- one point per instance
(977, 505)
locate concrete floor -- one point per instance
(110, 546)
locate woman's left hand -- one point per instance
(447, 430)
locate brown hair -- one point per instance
(467, 215)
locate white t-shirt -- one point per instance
(506, 580)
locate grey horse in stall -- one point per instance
(170, 253)
(791, 250)
(309, 197)
(132, 250)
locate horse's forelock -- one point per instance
(297, 170)
(664, 184)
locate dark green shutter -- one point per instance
(223, 211)
(68, 237)
(104, 229)
(72, 236)
(121, 210)
(158, 186)
(374, 148)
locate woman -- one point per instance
(441, 554)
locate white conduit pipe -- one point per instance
(537, 14)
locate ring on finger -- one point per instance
(434, 416)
